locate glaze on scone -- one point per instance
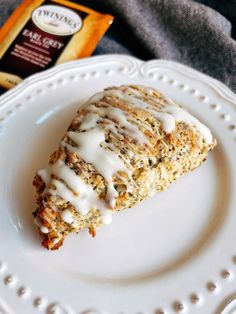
(125, 144)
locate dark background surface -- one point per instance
(199, 33)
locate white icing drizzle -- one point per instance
(168, 115)
(42, 228)
(166, 119)
(92, 118)
(44, 175)
(67, 195)
(106, 162)
(119, 116)
(182, 115)
(89, 121)
(67, 216)
(74, 190)
(107, 217)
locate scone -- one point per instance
(125, 144)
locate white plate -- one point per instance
(173, 253)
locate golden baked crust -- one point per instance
(152, 165)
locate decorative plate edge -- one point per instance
(134, 65)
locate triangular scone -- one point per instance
(124, 145)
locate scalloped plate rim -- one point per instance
(220, 87)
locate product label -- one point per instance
(57, 20)
(42, 39)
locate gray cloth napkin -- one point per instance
(189, 32)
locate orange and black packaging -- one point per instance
(40, 34)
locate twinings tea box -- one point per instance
(40, 34)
